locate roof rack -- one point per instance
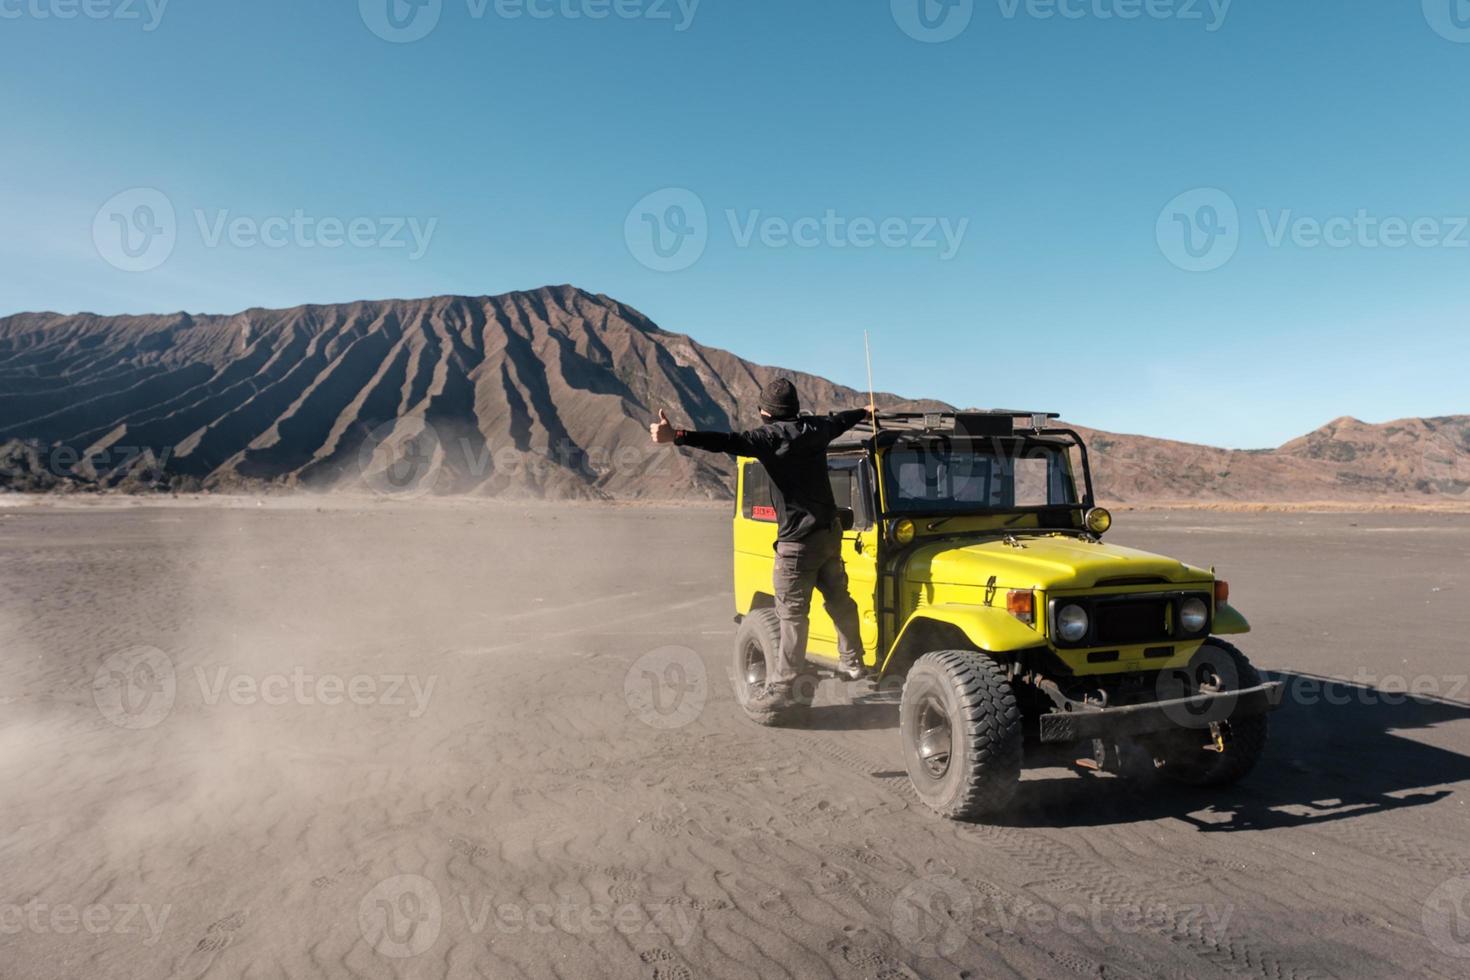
(976, 422)
(1012, 413)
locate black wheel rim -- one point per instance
(933, 736)
(752, 666)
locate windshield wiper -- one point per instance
(937, 524)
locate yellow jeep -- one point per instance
(975, 554)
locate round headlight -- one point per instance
(1098, 520)
(1193, 615)
(1071, 623)
(903, 531)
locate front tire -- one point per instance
(1184, 756)
(961, 731)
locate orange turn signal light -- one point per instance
(1022, 605)
(1222, 592)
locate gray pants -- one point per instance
(800, 566)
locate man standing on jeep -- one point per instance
(793, 449)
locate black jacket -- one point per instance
(794, 453)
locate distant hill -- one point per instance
(1408, 461)
(546, 393)
(543, 393)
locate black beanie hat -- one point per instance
(778, 399)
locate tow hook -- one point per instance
(1219, 735)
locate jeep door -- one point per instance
(852, 487)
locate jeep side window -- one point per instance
(850, 488)
(867, 497)
(756, 502)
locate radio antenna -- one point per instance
(872, 399)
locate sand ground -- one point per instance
(482, 740)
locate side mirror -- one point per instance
(846, 516)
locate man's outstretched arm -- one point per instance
(735, 443)
(840, 422)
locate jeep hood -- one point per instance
(1046, 562)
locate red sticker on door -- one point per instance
(763, 513)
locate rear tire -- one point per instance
(757, 645)
(1183, 757)
(961, 731)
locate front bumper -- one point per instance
(1199, 711)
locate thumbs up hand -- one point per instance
(661, 431)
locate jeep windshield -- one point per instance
(958, 477)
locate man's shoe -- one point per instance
(778, 705)
(773, 696)
(852, 669)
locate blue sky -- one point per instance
(800, 163)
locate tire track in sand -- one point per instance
(1067, 870)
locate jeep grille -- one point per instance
(1133, 621)
(1129, 620)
